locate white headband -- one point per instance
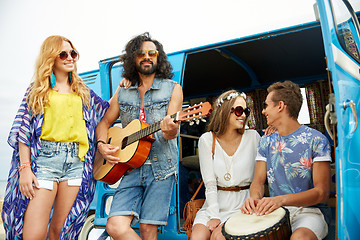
(230, 96)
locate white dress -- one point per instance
(222, 204)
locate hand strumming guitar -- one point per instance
(107, 151)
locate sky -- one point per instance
(100, 29)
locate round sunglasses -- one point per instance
(239, 110)
(150, 53)
(64, 55)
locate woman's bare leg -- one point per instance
(37, 214)
(64, 200)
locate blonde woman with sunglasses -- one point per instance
(228, 173)
(50, 185)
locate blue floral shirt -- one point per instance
(289, 159)
(27, 129)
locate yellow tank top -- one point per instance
(63, 121)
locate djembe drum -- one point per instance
(273, 226)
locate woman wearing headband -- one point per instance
(53, 141)
(228, 173)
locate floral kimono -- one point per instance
(27, 129)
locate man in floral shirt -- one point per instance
(296, 162)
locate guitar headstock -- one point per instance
(195, 113)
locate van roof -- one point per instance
(295, 53)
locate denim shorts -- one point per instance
(57, 162)
(141, 196)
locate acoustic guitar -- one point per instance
(135, 141)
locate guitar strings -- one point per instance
(145, 131)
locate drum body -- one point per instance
(273, 226)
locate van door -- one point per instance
(340, 29)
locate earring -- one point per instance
(70, 78)
(52, 80)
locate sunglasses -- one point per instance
(150, 53)
(64, 55)
(239, 110)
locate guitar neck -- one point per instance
(146, 131)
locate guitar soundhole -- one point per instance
(124, 143)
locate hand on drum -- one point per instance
(267, 205)
(261, 206)
(249, 206)
(212, 224)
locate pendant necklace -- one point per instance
(227, 175)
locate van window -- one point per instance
(346, 24)
(304, 117)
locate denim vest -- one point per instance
(164, 153)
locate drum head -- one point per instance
(241, 224)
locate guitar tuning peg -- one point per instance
(191, 123)
(197, 121)
(203, 119)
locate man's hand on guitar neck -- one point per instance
(169, 128)
(107, 151)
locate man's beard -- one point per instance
(147, 70)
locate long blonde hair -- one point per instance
(39, 90)
(220, 116)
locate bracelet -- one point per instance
(24, 165)
(100, 141)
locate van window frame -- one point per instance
(354, 19)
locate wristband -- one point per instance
(24, 165)
(100, 141)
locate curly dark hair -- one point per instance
(163, 70)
